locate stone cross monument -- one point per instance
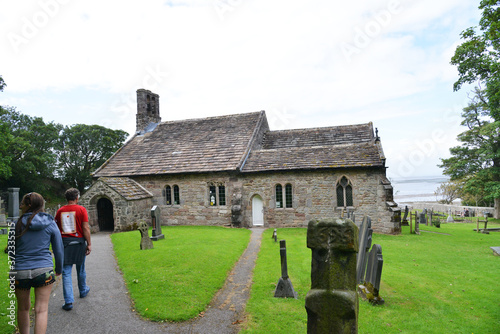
(332, 302)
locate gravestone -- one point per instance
(365, 242)
(421, 219)
(13, 210)
(284, 289)
(496, 250)
(275, 236)
(332, 303)
(405, 217)
(156, 223)
(370, 289)
(146, 242)
(450, 217)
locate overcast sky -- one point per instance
(307, 64)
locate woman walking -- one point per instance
(35, 231)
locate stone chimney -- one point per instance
(148, 109)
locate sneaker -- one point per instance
(85, 293)
(67, 307)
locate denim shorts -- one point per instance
(35, 278)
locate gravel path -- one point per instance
(107, 308)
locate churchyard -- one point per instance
(444, 280)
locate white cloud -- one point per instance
(208, 58)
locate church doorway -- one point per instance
(257, 211)
(105, 215)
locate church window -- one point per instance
(216, 194)
(288, 203)
(344, 192)
(288, 196)
(279, 196)
(177, 199)
(167, 194)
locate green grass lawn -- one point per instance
(431, 283)
(178, 278)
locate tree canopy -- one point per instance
(49, 157)
(476, 162)
(83, 148)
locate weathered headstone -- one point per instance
(284, 289)
(421, 219)
(371, 287)
(496, 250)
(365, 242)
(156, 223)
(146, 242)
(404, 222)
(450, 217)
(13, 210)
(332, 302)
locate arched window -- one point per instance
(288, 195)
(177, 199)
(279, 196)
(344, 192)
(168, 195)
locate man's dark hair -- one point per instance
(72, 194)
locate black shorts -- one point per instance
(44, 279)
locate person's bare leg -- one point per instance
(23, 310)
(42, 296)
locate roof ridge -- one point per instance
(322, 127)
(210, 117)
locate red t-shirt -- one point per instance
(70, 219)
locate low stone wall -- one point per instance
(446, 207)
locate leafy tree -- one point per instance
(83, 148)
(478, 58)
(477, 161)
(2, 84)
(448, 191)
(27, 157)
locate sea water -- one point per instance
(417, 189)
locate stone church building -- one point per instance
(233, 170)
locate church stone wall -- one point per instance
(314, 196)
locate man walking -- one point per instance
(73, 222)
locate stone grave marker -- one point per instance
(13, 210)
(370, 289)
(146, 242)
(365, 242)
(156, 223)
(332, 303)
(405, 217)
(284, 289)
(421, 219)
(496, 250)
(450, 217)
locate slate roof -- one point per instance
(318, 148)
(126, 187)
(231, 143)
(190, 146)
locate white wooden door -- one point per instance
(257, 211)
